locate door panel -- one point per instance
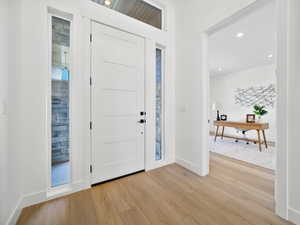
(117, 99)
(119, 77)
(118, 102)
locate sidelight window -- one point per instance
(159, 104)
(60, 101)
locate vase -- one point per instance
(259, 119)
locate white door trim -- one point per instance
(281, 178)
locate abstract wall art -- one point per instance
(263, 95)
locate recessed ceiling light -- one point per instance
(220, 69)
(107, 2)
(240, 35)
(270, 56)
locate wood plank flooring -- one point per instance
(235, 193)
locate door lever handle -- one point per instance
(142, 121)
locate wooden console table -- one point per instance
(259, 127)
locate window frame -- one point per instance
(153, 3)
(160, 6)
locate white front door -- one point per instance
(117, 94)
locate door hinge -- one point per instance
(91, 169)
(91, 38)
(91, 82)
(91, 125)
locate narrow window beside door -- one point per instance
(60, 102)
(159, 104)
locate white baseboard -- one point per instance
(12, 220)
(43, 196)
(33, 199)
(39, 197)
(294, 216)
(157, 165)
(191, 166)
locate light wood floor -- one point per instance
(235, 193)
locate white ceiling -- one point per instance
(233, 54)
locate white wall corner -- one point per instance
(191, 166)
(13, 219)
(39, 197)
(294, 216)
(33, 198)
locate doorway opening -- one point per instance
(281, 175)
(243, 84)
(279, 184)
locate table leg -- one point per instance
(217, 131)
(259, 140)
(265, 139)
(223, 132)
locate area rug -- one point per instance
(242, 151)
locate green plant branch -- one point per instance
(260, 110)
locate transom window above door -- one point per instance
(138, 9)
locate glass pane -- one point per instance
(158, 154)
(137, 9)
(60, 87)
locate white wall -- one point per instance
(3, 53)
(3, 94)
(223, 89)
(11, 171)
(293, 104)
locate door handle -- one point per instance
(142, 121)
